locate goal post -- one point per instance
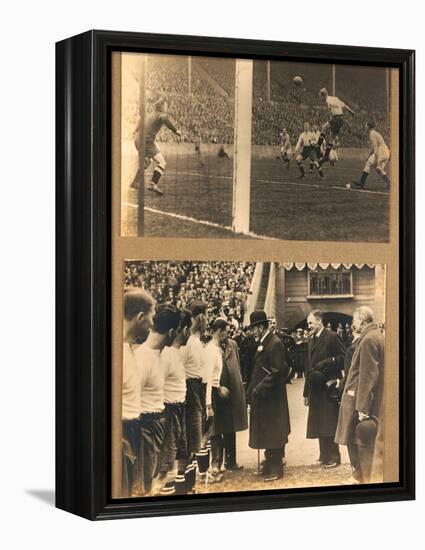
(242, 146)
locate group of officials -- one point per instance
(183, 401)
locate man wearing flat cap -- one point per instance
(269, 418)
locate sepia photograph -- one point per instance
(222, 147)
(238, 221)
(247, 376)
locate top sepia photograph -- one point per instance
(238, 148)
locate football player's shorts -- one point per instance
(194, 414)
(336, 123)
(308, 152)
(151, 149)
(152, 431)
(175, 442)
(333, 155)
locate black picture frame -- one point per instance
(83, 260)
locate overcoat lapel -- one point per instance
(227, 351)
(363, 334)
(263, 343)
(315, 341)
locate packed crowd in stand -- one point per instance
(190, 368)
(223, 286)
(208, 115)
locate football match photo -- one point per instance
(221, 147)
(240, 376)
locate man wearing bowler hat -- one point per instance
(269, 419)
(362, 396)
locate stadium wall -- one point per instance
(258, 151)
(293, 303)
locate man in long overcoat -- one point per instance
(269, 417)
(360, 410)
(325, 363)
(231, 416)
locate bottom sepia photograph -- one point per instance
(250, 376)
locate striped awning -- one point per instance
(314, 265)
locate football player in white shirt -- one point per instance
(315, 141)
(212, 358)
(139, 309)
(337, 109)
(152, 417)
(378, 156)
(307, 148)
(333, 154)
(174, 451)
(195, 388)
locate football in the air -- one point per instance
(297, 80)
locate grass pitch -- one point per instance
(198, 199)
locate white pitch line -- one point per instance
(324, 187)
(218, 176)
(361, 190)
(200, 222)
(315, 185)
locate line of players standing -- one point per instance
(178, 422)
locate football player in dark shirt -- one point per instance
(153, 124)
(198, 151)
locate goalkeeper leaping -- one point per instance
(153, 124)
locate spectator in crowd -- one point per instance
(347, 335)
(207, 112)
(248, 349)
(300, 351)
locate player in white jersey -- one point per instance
(285, 147)
(139, 309)
(378, 156)
(173, 457)
(216, 393)
(315, 142)
(334, 152)
(307, 148)
(337, 109)
(195, 392)
(152, 417)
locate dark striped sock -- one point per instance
(180, 484)
(203, 459)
